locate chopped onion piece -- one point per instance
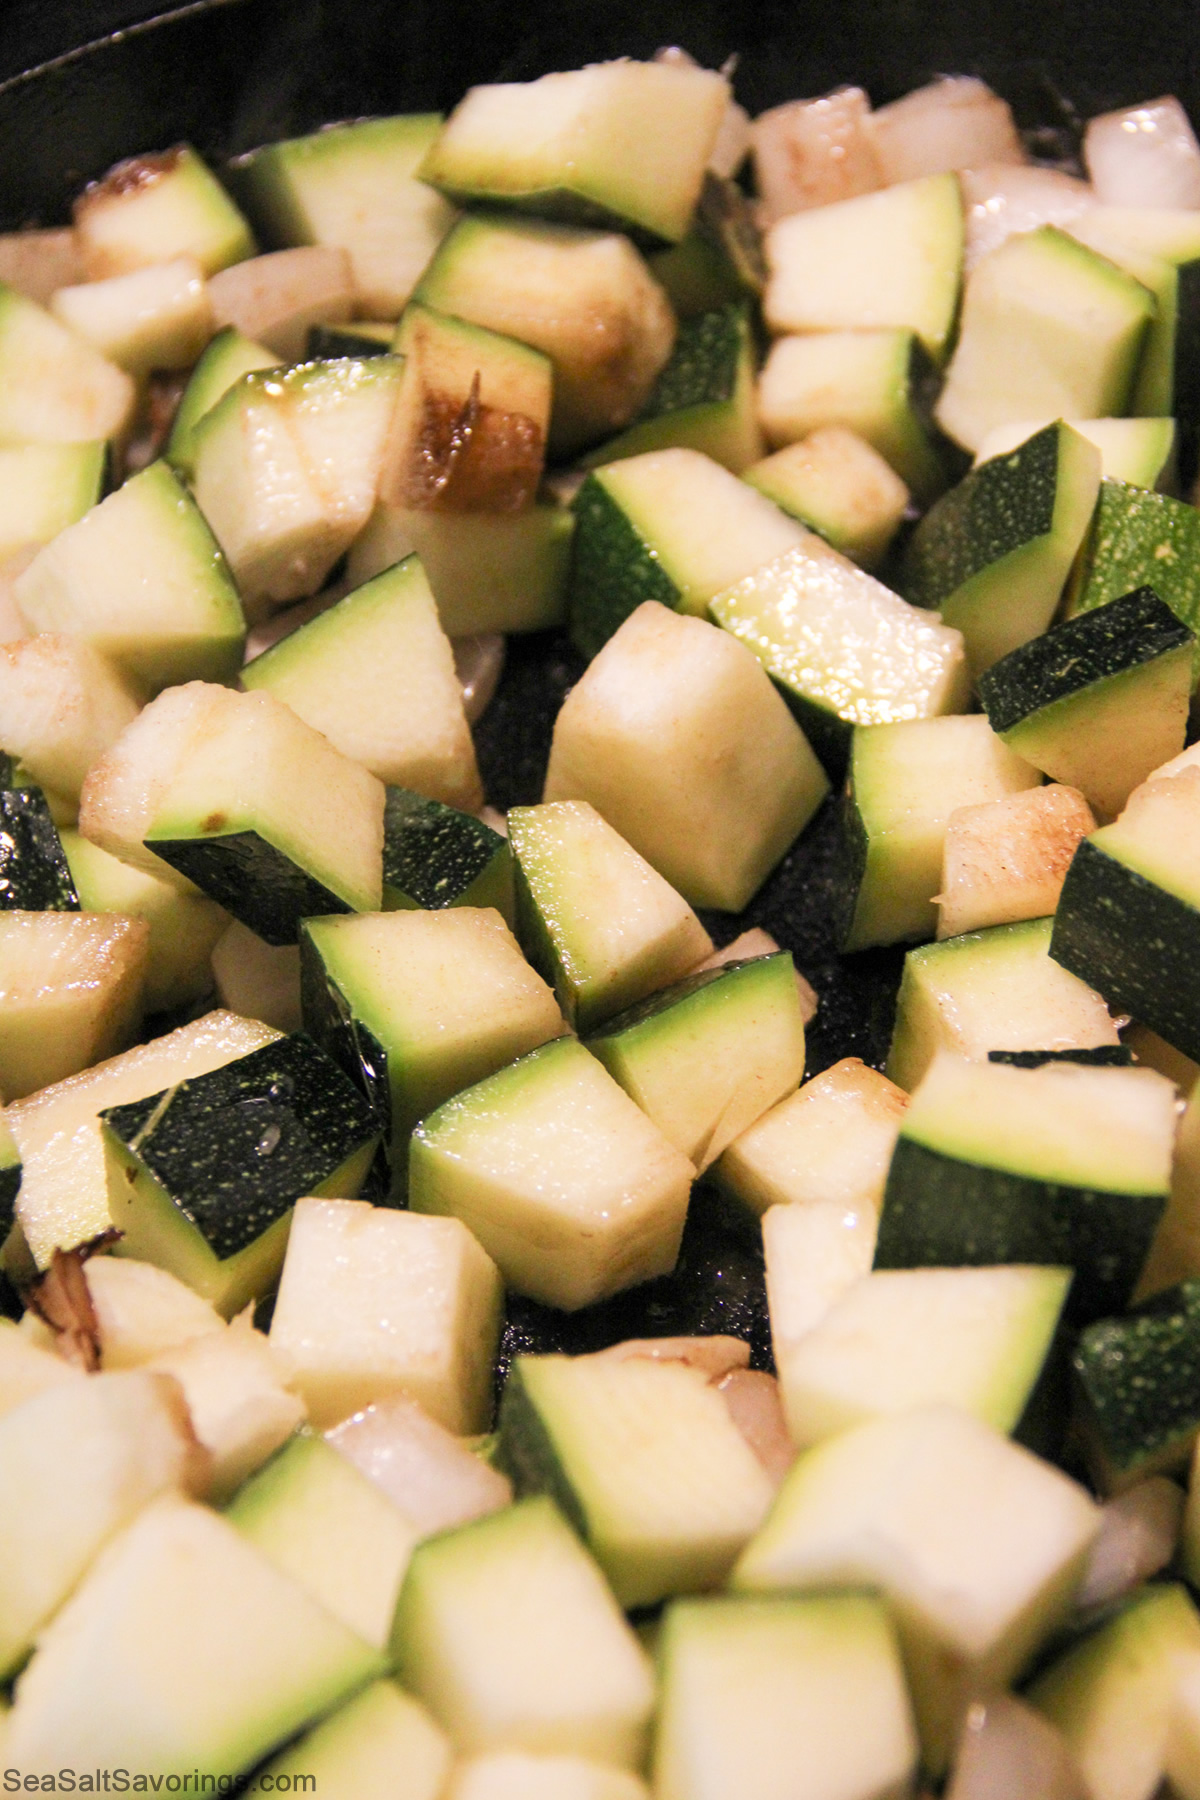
(1002, 199)
(755, 1407)
(1144, 156)
(1006, 1750)
(954, 123)
(812, 152)
(256, 979)
(757, 942)
(497, 820)
(435, 1478)
(1138, 1534)
(478, 662)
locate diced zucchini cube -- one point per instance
(837, 483)
(435, 856)
(71, 991)
(357, 1752)
(976, 1545)
(1140, 539)
(354, 186)
(1128, 919)
(592, 914)
(669, 525)
(286, 471)
(755, 1690)
(43, 489)
(905, 781)
(994, 553)
(1139, 1376)
(79, 1461)
(560, 145)
(375, 674)
(842, 648)
(892, 258)
(1061, 1164)
(584, 298)
(996, 989)
(831, 1140)
(374, 1302)
(645, 1458)
(34, 873)
(64, 1199)
(1049, 329)
(880, 384)
(571, 1678)
(488, 571)
(203, 1176)
(1099, 701)
(150, 209)
(563, 1180)
(142, 580)
(677, 737)
(1112, 1695)
(707, 1056)
(184, 927)
(228, 357)
(333, 1531)
(415, 1006)
(56, 388)
(159, 317)
(189, 1645)
(971, 1338)
(704, 399)
(62, 706)
(304, 837)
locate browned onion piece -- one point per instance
(435, 1478)
(755, 1407)
(478, 662)
(1138, 1533)
(1008, 1751)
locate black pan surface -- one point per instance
(84, 82)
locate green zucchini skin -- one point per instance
(34, 876)
(1134, 942)
(1100, 1056)
(1072, 656)
(850, 864)
(1139, 1377)
(611, 574)
(236, 1148)
(329, 1020)
(703, 366)
(253, 880)
(525, 1451)
(940, 1212)
(720, 259)
(1140, 537)
(10, 1187)
(997, 509)
(326, 343)
(435, 856)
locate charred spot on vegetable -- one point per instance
(34, 876)
(62, 1299)
(130, 176)
(235, 1149)
(471, 457)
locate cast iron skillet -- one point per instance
(85, 82)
